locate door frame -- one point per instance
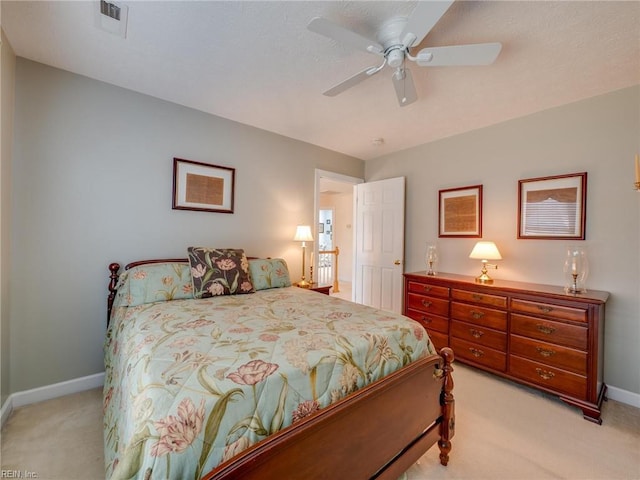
(336, 177)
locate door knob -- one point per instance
(397, 262)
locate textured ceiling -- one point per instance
(256, 62)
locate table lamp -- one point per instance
(485, 251)
(303, 234)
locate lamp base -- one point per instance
(303, 284)
(484, 279)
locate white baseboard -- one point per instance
(5, 411)
(623, 396)
(48, 392)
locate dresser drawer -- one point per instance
(485, 356)
(479, 315)
(480, 335)
(549, 331)
(549, 377)
(430, 321)
(482, 298)
(440, 340)
(550, 310)
(425, 288)
(550, 354)
(426, 304)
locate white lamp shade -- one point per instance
(303, 234)
(485, 251)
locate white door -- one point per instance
(379, 244)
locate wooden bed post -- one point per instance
(113, 281)
(447, 427)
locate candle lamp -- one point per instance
(576, 269)
(431, 258)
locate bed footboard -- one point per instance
(378, 432)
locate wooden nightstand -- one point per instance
(319, 288)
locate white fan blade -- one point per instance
(474, 54)
(351, 81)
(336, 32)
(422, 20)
(405, 89)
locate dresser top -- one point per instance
(590, 296)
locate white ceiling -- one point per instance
(256, 62)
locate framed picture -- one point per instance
(321, 227)
(552, 207)
(460, 212)
(203, 187)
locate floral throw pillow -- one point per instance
(154, 283)
(269, 273)
(219, 271)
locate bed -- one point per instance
(278, 383)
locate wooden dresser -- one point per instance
(534, 334)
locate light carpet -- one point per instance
(503, 431)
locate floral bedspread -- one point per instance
(190, 383)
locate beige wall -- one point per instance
(7, 84)
(600, 135)
(92, 184)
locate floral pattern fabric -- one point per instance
(269, 273)
(216, 271)
(190, 383)
(153, 283)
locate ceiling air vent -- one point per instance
(110, 10)
(112, 17)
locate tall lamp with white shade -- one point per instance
(303, 234)
(485, 251)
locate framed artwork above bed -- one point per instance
(202, 187)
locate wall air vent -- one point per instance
(110, 10)
(112, 17)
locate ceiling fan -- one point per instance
(394, 39)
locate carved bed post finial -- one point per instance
(113, 281)
(447, 427)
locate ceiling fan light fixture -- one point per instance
(395, 57)
(394, 39)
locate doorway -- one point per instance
(334, 213)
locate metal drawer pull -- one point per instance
(426, 288)
(545, 374)
(545, 309)
(545, 329)
(475, 333)
(476, 315)
(426, 320)
(426, 303)
(544, 352)
(475, 296)
(475, 352)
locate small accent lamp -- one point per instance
(576, 269)
(303, 234)
(485, 251)
(431, 258)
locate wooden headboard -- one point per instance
(114, 268)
